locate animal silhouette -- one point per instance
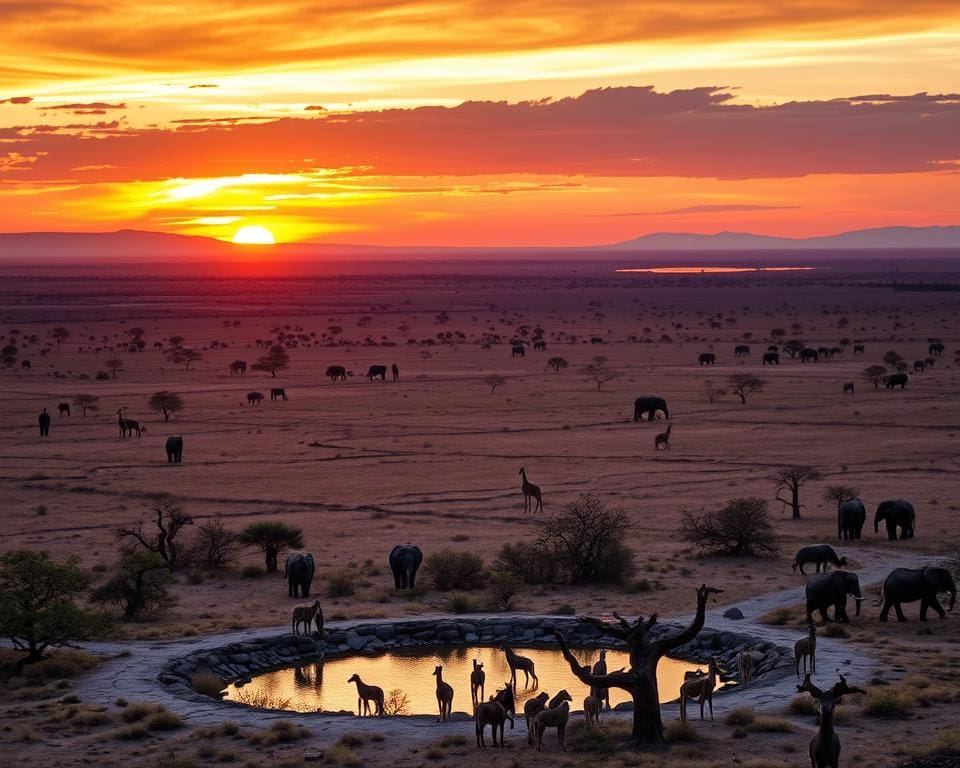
(367, 694)
(254, 398)
(663, 439)
(806, 648)
(278, 393)
(522, 663)
(64, 409)
(530, 492)
(395, 370)
(44, 419)
(444, 695)
(336, 372)
(477, 681)
(377, 372)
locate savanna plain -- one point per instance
(433, 459)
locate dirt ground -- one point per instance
(433, 459)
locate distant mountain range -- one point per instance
(884, 237)
(133, 245)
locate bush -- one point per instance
(164, 720)
(529, 562)
(586, 539)
(340, 585)
(251, 572)
(803, 705)
(564, 609)
(742, 527)
(139, 585)
(888, 703)
(740, 717)
(455, 570)
(503, 588)
(677, 731)
(396, 702)
(215, 545)
(461, 603)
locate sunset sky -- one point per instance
(464, 122)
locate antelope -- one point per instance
(555, 717)
(494, 713)
(700, 688)
(663, 439)
(524, 664)
(825, 744)
(600, 668)
(477, 680)
(537, 704)
(305, 614)
(747, 663)
(591, 708)
(444, 695)
(806, 647)
(366, 694)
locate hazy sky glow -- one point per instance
(457, 122)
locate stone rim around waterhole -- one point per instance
(243, 660)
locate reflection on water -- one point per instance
(322, 686)
(711, 270)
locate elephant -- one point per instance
(824, 352)
(375, 371)
(858, 349)
(820, 555)
(906, 585)
(741, 350)
(278, 393)
(25, 365)
(771, 358)
(851, 515)
(254, 398)
(174, 448)
(832, 589)
(707, 358)
(919, 366)
(650, 406)
(298, 570)
(897, 379)
(335, 372)
(936, 349)
(896, 513)
(539, 345)
(518, 350)
(809, 353)
(405, 559)
(44, 419)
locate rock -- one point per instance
(471, 637)
(733, 613)
(385, 632)
(355, 641)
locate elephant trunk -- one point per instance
(857, 600)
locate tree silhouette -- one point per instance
(793, 347)
(114, 364)
(743, 384)
(272, 538)
(646, 647)
(86, 403)
(275, 360)
(790, 479)
(600, 371)
(874, 374)
(741, 527)
(184, 355)
(139, 585)
(170, 519)
(165, 403)
(493, 381)
(60, 335)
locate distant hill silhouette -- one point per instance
(884, 237)
(140, 246)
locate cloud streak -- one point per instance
(625, 132)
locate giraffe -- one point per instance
(128, 426)
(663, 439)
(804, 648)
(530, 492)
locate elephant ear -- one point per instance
(309, 559)
(939, 578)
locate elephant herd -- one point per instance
(897, 515)
(299, 569)
(903, 585)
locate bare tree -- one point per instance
(166, 403)
(646, 650)
(743, 384)
(557, 363)
(742, 527)
(86, 403)
(712, 392)
(493, 381)
(215, 545)
(600, 371)
(60, 335)
(875, 374)
(169, 518)
(790, 479)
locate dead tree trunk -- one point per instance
(640, 681)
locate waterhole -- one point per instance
(410, 687)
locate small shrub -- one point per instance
(340, 585)
(136, 712)
(835, 630)
(461, 603)
(396, 702)
(779, 617)
(132, 732)
(564, 609)
(343, 757)
(251, 572)
(741, 716)
(765, 724)
(350, 740)
(529, 562)
(459, 537)
(888, 703)
(280, 732)
(503, 588)
(681, 732)
(803, 705)
(456, 570)
(164, 720)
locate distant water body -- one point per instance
(695, 270)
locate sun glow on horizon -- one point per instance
(254, 234)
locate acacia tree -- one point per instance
(600, 371)
(875, 374)
(170, 519)
(184, 355)
(840, 493)
(646, 647)
(793, 347)
(743, 384)
(86, 403)
(493, 381)
(139, 585)
(114, 364)
(60, 335)
(37, 604)
(166, 403)
(741, 527)
(790, 479)
(275, 360)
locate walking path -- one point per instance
(132, 669)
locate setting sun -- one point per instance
(254, 235)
